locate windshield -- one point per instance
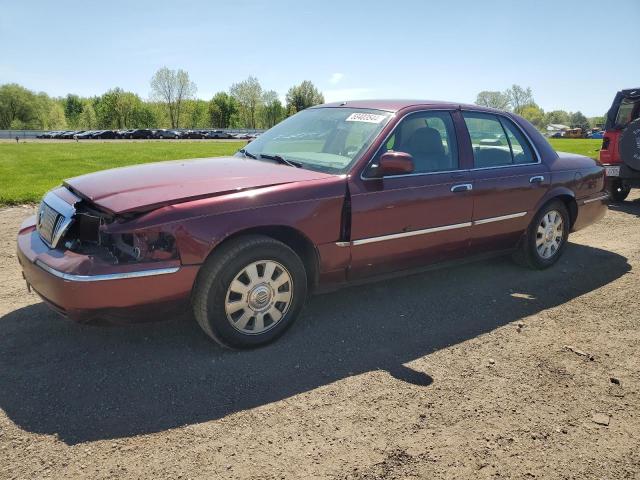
(324, 139)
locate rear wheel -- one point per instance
(618, 191)
(546, 237)
(249, 291)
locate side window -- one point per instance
(430, 139)
(520, 148)
(496, 141)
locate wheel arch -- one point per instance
(564, 195)
(293, 238)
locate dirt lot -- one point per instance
(479, 371)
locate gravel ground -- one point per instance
(485, 370)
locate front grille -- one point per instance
(49, 222)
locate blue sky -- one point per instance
(574, 56)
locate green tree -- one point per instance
(248, 95)
(222, 107)
(119, 109)
(143, 116)
(578, 120)
(196, 114)
(87, 119)
(534, 114)
(272, 110)
(172, 87)
(56, 118)
(17, 106)
(519, 97)
(490, 99)
(559, 117)
(73, 107)
(303, 96)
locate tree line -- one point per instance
(172, 103)
(520, 100)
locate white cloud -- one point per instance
(346, 94)
(335, 78)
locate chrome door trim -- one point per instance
(500, 218)
(425, 231)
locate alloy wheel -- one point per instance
(550, 234)
(258, 297)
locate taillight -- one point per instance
(605, 142)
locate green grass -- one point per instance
(582, 146)
(29, 170)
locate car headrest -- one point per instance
(425, 141)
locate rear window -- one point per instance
(629, 110)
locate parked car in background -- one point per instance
(620, 151)
(241, 136)
(218, 134)
(193, 134)
(391, 186)
(140, 133)
(123, 133)
(163, 134)
(574, 133)
(105, 134)
(86, 135)
(67, 135)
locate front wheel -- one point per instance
(546, 237)
(249, 291)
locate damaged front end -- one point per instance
(65, 220)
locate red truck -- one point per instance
(334, 194)
(620, 152)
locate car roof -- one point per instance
(397, 105)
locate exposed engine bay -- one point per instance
(87, 234)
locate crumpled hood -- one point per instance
(145, 187)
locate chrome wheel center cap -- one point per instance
(549, 235)
(260, 297)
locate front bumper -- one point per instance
(83, 287)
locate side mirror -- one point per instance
(395, 163)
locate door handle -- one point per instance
(537, 179)
(462, 187)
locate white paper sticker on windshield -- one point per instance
(365, 117)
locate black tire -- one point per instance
(630, 145)
(221, 268)
(528, 254)
(617, 190)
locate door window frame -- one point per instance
(499, 118)
(456, 133)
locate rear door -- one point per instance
(509, 180)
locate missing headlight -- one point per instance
(144, 246)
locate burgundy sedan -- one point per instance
(334, 194)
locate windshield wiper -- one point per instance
(247, 154)
(281, 159)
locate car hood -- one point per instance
(145, 187)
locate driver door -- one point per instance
(405, 221)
